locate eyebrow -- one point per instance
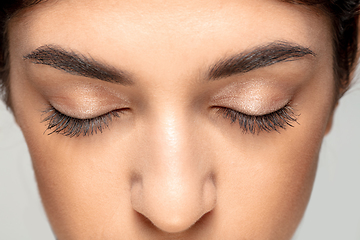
(77, 64)
(259, 57)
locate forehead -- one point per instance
(168, 13)
(170, 16)
(174, 33)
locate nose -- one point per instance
(175, 185)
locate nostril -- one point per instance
(168, 219)
(173, 208)
(174, 224)
(148, 224)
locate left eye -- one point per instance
(60, 123)
(253, 124)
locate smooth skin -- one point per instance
(171, 166)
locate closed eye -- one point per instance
(60, 123)
(254, 124)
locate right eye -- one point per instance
(60, 123)
(273, 121)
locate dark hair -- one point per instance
(344, 16)
(9, 8)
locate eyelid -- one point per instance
(254, 124)
(85, 106)
(60, 123)
(252, 99)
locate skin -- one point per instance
(172, 167)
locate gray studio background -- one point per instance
(333, 212)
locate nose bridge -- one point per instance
(172, 136)
(175, 148)
(176, 187)
(175, 168)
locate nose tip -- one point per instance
(173, 208)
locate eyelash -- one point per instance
(60, 123)
(274, 121)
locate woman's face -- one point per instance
(201, 96)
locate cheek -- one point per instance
(266, 180)
(267, 185)
(77, 183)
(77, 180)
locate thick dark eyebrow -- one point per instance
(258, 57)
(77, 64)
